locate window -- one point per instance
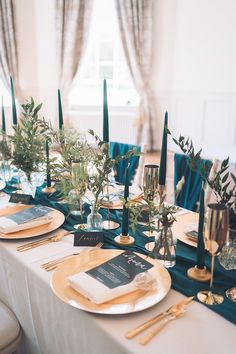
(104, 58)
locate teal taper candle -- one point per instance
(48, 164)
(3, 118)
(14, 115)
(200, 241)
(125, 218)
(162, 171)
(105, 114)
(60, 114)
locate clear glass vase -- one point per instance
(6, 171)
(28, 184)
(227, 257)
(94, 219)
(165, 247)
(75, 203)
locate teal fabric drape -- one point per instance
(190, 193)
(121, 149)
(186, 255)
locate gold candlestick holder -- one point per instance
(124, 240)
(49, 190)
(198, 274)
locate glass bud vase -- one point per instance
(75, 203)
(28, 185)
(165, 247)
(227, 257)
(94, 220)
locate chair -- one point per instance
(10, 331)
(190, 193)
(121, 149)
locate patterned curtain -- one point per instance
(8, 49)
(72, 25)
(135, 23)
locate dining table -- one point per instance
(52, 326)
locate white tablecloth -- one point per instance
(51, 326)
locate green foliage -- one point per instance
(5, 149)
(102, 165)
(221, 184)
(29, 139)
(224, 182)
(195, 162)
(71, 168)
(158, 213)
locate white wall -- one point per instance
(195, 71)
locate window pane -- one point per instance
(106, 51)
(106, 71)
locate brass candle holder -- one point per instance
(198, 274)
(124, 240)
(49, 190)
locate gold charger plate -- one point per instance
(57, 220)
(136, 301)
(179, 227)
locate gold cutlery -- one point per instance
(170, 311)
(51, 265)
(33, 244)
(146, 339)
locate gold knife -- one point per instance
(132, 333)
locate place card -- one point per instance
(120, 270)
(88, 238)
(20, 198)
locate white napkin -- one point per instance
(96, 291)
(8, 226)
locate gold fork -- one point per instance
(51, 265)
(170, 311)
(146, 339)
(44, 241)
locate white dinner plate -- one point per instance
(2, 184)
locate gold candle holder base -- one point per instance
(16, 185)
(124, 240)
(18, 191)
(48, 190)
(110, 225)
(199, 274)
(209, 298)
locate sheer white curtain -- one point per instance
(8, 47)
(72, 26)
(135, 23)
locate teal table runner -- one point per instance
(186, 255)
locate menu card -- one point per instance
(110, 279)
(25, 219)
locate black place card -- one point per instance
(20, 198)
(120, 270)
(88, 238)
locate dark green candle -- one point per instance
(60, 114)
(200, 242)
(162, 171)
(3, 118)
(48, 164)
(105, 114)
(125, 218)
(14, 115)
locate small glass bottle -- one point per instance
(94, 220)
(165, 247)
